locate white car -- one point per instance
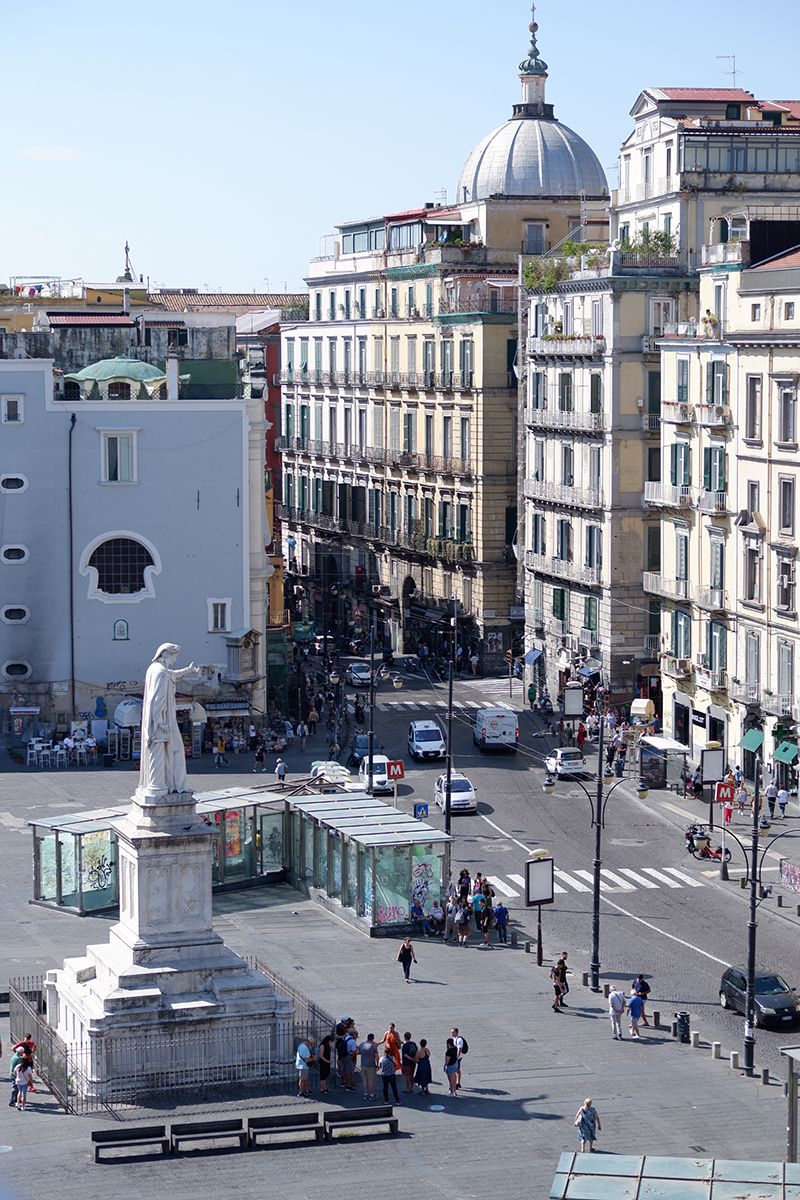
(567, 761)
(357, 675)
(462, 793)
(380, 773)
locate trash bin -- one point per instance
(682, 1021)
(108, 760)
(619, 766)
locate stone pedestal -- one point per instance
(164, 973)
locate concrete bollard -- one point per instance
(797, 910)
(527, 947)
(765, 1075)
(514, 938)
(585, 978)
(743, 883)
(734, 1060)
(674, 1029)
(657, 1019)
(716, 1049)
(695, 1035)
(606, 990)
(779, 901)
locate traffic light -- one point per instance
(509, 657)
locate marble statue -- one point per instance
(162, 766)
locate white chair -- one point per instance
(60, 756)
(46, 756)
(80, 754)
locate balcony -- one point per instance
(556, 493)
(745, 693)
(677, 668)
(491, 301)
(711, 599)
(777, 704)
(564, 346)
(657, 584)
(715, 503)
(306, 516)
(727, 252)
(712, 681)
(713, 416)
(561, 568)
(557, 628)
(589, 639)
(677, 412)
(668, 494)
(651, 422)
(651, 644)
(580, 422)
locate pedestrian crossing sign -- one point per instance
(421, 812)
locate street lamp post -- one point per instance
(397, 683)
(752, 925)
(448, 782)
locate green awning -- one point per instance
(785, 753)
(752, 741)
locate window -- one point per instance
(118, 457)
(594, 467)
(564, 540)
(537, 534)
(595, 393)
(464, 523)
(304, 360)
(15, 614)
(15, 554)
(680, 459)
(394, 359)
(332, 433)
(428, 299)
(654, 618)
(788, 310)
(393, 308)
(567, 464)
(785, 669)
(332, 356)
(377, 358)
(654, 464)
(683, 381)
(318, 360)
(716, 646)
(590, 612)
(681, 634)
(752, 659)
(447, 436)
(660, 316)
(567, 326)
(668, 171)
(410, 301)
(331, 306)
(753, 493)
(538, 460)
(560, 604)
(653, 549)
(465, 438)
(565, 392)
(318, 306)
(755, 312)
(732, 112)
(409, 433)
(714, 468)
(362, 360)
(535, 238)
(12, 410)
(537, 390)
(786, 416)
(13, 483)
(752, 571)
(597, 318)
(347, 312)
(786, 584)
(428, 435)
(219, 615)
(177, 337)
(428, 361)
(668, 218)
(348, 359)
(594, 549)
(445, 519)
(120, 564)
(752, 415)
(717, 383)
(411, 359)
(465, 360)
(786, 504)
(681, 556)
(738, 229)
(16, 670)
(716, 571)
(447, 362)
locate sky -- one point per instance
(223, 141)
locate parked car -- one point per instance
(495, 729)
(357, 675)
(360, 748)
(462, 793)
(566, 761)
(380, 773)
(775, 1001)
(426, 740)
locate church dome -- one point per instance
(532, 154)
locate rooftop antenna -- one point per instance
(441, 196)
(731, 58)
(285, 283)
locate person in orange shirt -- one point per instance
(392, 1043)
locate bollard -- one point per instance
(683, 1026)
(674, 1029)
(716, 1049)
(779, 900)
(765, 1075)
(514, 938)
(585, 978)
(695, 1039)
(797, 910)
(743, 882)
(527, 947)
(734, 1060)
(606, 990)
(657, 1019)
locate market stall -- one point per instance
(228, 717)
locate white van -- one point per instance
(425, 740)
(496, 729)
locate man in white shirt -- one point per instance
(616, 1009)
(783, 800)
(458, 1042)
(69, 746)
(305, 1056)
(437, 916)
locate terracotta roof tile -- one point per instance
(789, 258)
(198, 301)
(720, 95)
(93, 318)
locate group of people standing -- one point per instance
(470, 900)
(22, 1073)
(343, 1052)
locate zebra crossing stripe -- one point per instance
(520, 879)
(664, 878)
(640, 879)
(623, 883)
(501, 887)
(585, 875)
(412, 705)
(565, 878)
(687, 879)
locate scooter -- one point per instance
(412, 666)
(697, 843)
(358, 712)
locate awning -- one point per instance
(785, 753)
(532, 655)
(665, 743)
(587, 672)
(643, 708)
(752, 741)
(23, 712)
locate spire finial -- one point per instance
(533, 64)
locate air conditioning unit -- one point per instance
(685, 410)
(376, 589)
(684, 665)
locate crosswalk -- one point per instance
(432, 706)
(621, 879)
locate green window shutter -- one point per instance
(673, 464)
(710, 383)
(723, 382)
(686, 464)
(721, 453)
(707, 468)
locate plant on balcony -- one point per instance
(544, 274)
(651, 243)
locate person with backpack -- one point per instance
(408, 1055)
(462, 1048)
(462, 923)
(640, 987)
(259, 759)
(556, 981)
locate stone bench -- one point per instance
(306, 1122)
(207, 1131)
(142, 1135)
(382, 1114)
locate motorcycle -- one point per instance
(697, 843)
(358, 712)
(412, 666)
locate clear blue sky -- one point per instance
(223, 140)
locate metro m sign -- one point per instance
(723, 792)
(395, 770)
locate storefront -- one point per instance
(229, 718)
(365, 860)
(24, 724)
(785, 759)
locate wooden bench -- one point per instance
(207, 1131)
(381, 1114)
(142, 1135)
(305, 1122)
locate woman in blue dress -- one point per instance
(424, 1074)
(588, 1125)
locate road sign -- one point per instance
(723, 792)
(421, 812)
(395, 770)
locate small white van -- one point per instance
(425, 740)
(496, 729)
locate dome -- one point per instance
(531, 157)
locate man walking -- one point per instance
(458, 1042)
(635, 1007)
(280, 771)
(616, 1011)
(561, 972)
(302, 733)
(640, 987)
(771, 794)
(501, 922)
(783, 800)
(450, 920)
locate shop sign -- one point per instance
(703, 677)
(699, 718)
(516, 612)
(228, 705)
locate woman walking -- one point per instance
(406, 956)
(451, 1065)
(23, 1077)
(587, 1122)
(462, 923)
(424, 1074)
(324, 1064)
(464, 884)
(387, 1068)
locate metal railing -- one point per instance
(677, 668)
(480, 304)
(561, 568)
(584, 422)
(777, 704)
(558, 493)
(651, 643)
(651, 422)
(677, 412)
(712, 416)
(711, 599)
(746, 693)
(590, 347)
(659, 585)
(713, 502)
(670, 494)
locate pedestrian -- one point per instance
(450, 920)
(501, 922)
(531, 695)
(260, 758)
(368, 1053)
(253, 736)
(405, 955)
(219, 752)
(464, 884)
(280, 771)
(587, 1122)
(408, 1054)
(473, 662)
(459, 660)
(478, 905)
(556, 981)
(287, 725)
(783, 800)
(303, 1059)
(387, 1068)
(423, 1075)
(737, 776)
(641, 987)
(741, 797)
(727, 808)
(452, 889)
(771, 795)
(460, 1044)
(560, 731)
(462, 923)
(325, 1063)
(635, 1009)
(313, 717)
(335, 750)
(488, 919)
(561, 970)
(391, 1042)
(16, 1059)
(616, 1011)
(581, 738)
(451, 1066)
(23, 1077)
(302, 733)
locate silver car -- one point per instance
(462, 793)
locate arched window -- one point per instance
(120, 564)
(119, 391)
